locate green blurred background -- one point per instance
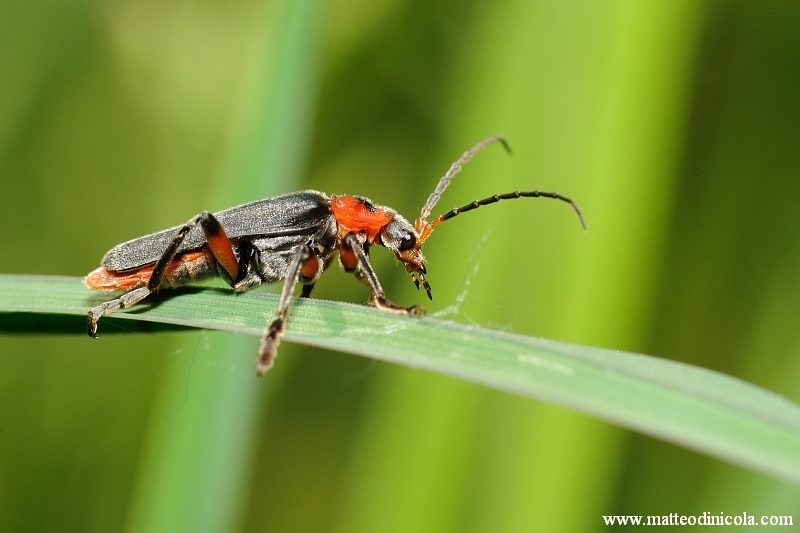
(674, 124)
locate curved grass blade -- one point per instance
(701, 409)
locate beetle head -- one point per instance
(406, 240)
(401, 238)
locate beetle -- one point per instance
(292, 237)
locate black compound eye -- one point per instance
(407, 242)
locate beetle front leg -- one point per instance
(272, 335)
(378, 297)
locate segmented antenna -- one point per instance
(508, 196)
(424, 228)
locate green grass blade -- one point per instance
(694, 407)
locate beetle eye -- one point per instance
(407, 242)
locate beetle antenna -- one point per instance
(428, 228)
(422, 222)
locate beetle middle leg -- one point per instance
(308, 287)
(378, 297)
(304, 259)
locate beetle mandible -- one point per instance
(293, 237)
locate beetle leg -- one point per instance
(248, 271)
(218, 243)
(378, 297)
(308, 287)
(272, 335)
(249, 282)
(126, 300)
(306, 292)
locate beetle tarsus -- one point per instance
(269, 345)
(126, 300)
(91, 326)
(96, 312)
(384, 304)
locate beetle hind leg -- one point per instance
(218, 243)
(126, 300)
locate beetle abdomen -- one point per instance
(185, 269)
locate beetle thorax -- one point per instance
(356, 214)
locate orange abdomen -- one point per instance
(186, 268)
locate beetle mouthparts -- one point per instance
(423, 281)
